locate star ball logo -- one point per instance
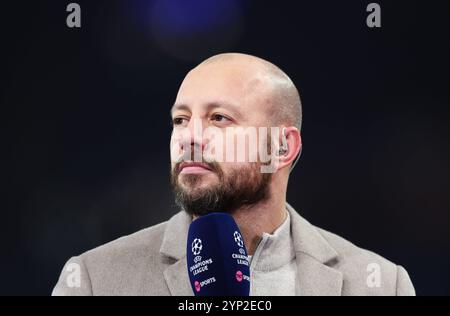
(238, 239)
(197, 246)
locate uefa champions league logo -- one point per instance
(238, 239)
(197, 246)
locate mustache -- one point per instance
(213, 165)
(190, 156)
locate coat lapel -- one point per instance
(177, 279)
(315, 258)
(316, 279)
(174, 246)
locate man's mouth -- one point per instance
(194, 168)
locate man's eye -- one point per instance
(220, 118)
(178, 121)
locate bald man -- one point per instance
(227, 97)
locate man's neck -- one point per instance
(255, 220)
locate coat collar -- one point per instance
(314, 257)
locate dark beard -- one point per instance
(241, 188)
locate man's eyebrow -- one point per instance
(210, 106)
(227, 105)
(179, 107)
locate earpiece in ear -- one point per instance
(284, 149)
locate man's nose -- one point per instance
(192, 136)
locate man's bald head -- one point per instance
(236, 97)
(282, 95)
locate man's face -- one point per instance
(218, 97)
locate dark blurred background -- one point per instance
(85, 122)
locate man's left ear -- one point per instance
(291, 144)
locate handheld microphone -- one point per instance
(217, 260)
